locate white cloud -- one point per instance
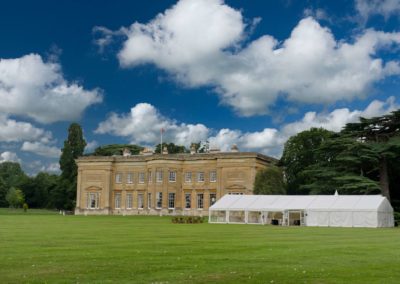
(15, 131)
(144, 122)
(41, 149)
(336, 119)
(8, 156)
(53, 168)
(200, 43)
(91, 146)
(386, 8)
(33, 88)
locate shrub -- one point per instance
(187, 219)
(396, 217)
(25, 207)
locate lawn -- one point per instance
(39, 248)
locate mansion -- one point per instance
(167, 184)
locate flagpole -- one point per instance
(161, 148)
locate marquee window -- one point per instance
(117, 200)
(141, 177)
(172, 176)
(187, 201)
(159, 200)
(188, 177)
(140, 201)
(129, 200)
(171, 200)
(200, 201)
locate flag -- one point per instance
(162, 130)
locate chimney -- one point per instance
(234, 148)
(192, 149)
(126, 152)
(165, 150)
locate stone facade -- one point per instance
(157, 184)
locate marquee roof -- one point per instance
(303, 202)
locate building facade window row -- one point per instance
(93, 200)
(200, 177)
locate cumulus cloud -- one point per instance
(386, 8)
(16, 131)
(91, 146)
(33, 88)
(143, 124)
(200, 43)
(8, 156)
(41, 149)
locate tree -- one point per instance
(269, 181)
(298, 154)
(15, 197)
(3, 193)
(171, 147)
(11, 175)
(383, 135)
(343, 164)
(73, 148)
(116, 149)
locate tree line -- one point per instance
(363, 158)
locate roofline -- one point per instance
(179, 157)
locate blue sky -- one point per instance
(250, 73)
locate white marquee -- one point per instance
(306, 210)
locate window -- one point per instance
(93, 200)
(129, 178)
(213, 176)
(141, 177)
(159, 176)
(235, 193)
(171, 200)
(213, 198)
(149, 200)
(140, 201)
(200, 200)
(159, 200)
(187, 201)
(188, 177)
(129, 201)
(200, 176)
(150, 177)
(118, 178)
(172, 176)
(117, 200)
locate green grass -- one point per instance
(20, 211)
(143, 249)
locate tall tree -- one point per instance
(73, 148)
(298, 154)
(383, 135)
(269, 181)
(344, 164)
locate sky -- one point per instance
(250, 73)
